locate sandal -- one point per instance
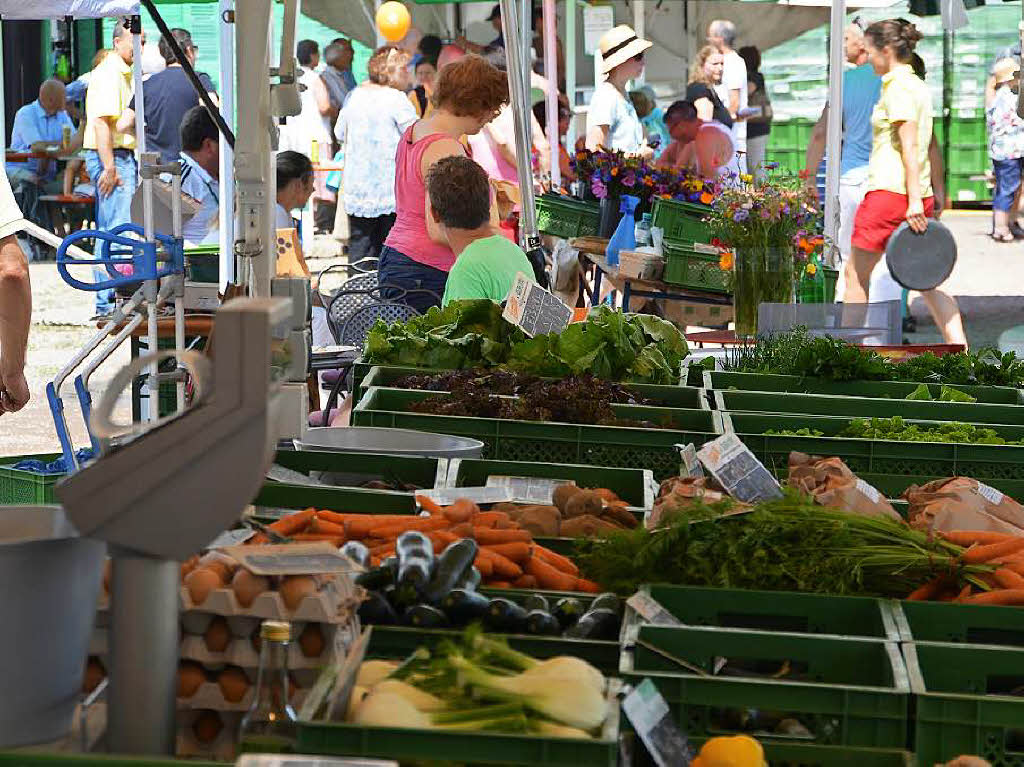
(1017, 231)
(1007, 237)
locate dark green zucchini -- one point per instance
(376, 611)
(451, 566)
(424, 617)
(505, 616)
(607, 601)
(542, 623)
(377, 578)
(464, 606)
(568, 610)
(596, 624)
(471, 580)
(536, 602)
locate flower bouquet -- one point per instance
(611, 174)
(767, 234)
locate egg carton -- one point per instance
(241, 651)
(222, 748)
(210, 697)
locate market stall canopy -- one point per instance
(58, 9)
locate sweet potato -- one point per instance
(586, 526)
(583, 503)
(607, 495)
(539, 520)
(618, 514)
(563, 494)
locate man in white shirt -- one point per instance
(15, 305)
(200, 168)
(733, 88)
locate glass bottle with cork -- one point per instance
(269, 726)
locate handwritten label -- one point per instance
(990, 494)
(737, 469)
(534, 309)
(529, 489)
(648, 608)
(650, 716)
(293, 559)
(446, 496)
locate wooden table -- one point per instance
(655, 289)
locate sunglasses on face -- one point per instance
(638, 57)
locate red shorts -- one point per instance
(879, 216)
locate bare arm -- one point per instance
(126, 122)
(15, 319)
(448, 147)
(705, 148)
(705, 109)
(816, 147)
(597, 137)
(938, 173)
(990, 90)
(105, 149)
(734, 103)
(323, 101)
(907, 132)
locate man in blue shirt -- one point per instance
(37, 126)
(200, 166)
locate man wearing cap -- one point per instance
(612, 122)
(733, 88)
(1006, 148)
(494, 51)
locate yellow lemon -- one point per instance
(737, 751)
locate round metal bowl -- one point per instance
(369, 439)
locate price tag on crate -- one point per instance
(529, 489)
(690, 462)
(534, 309)
(650, 716)
(648, 608)
(737, 470)
(445, 496)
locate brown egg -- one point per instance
(311, 640)
(207, 726)
(200, 582)
(248, 586)
(190, 676)
(218, 635)
(222, 563)
(189, 565)
(233, 683)
(94, 674)
(106, 576)
(295, 588)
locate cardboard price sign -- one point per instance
(650, 716)
(534, 309)
(737, 470)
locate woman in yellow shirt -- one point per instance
(900, 169)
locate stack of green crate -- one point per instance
(968, 157)
(787, 144)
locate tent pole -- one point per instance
(551, 107)
(640, 27)
(140, 104)
(3, 104)
(570, 71)
(834, 136)
(226, 180)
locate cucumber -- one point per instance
(451, 567)
(403, 596)
(607, 601)
(464, 606)
(425, 617)
(568, 610)
(505, 616)
(358, 553)
(542, 623)
(377, 578)
(375, 610)
(596, 624)
(536, 602)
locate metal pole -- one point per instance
(3, 105)
(226, 178)
(143, 654)
(151, 288)
(834, 136)
(640, 27)
(140, 106)
(570, 71)
(551, 107)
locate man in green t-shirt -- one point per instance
(486, 263)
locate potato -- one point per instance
(539, 520)
(607, 495)
(587, 526)
(563, 494)
(618, 514)
(583, 503)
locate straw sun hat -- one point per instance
(618, 45)
(1005, 70)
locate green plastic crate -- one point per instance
(687, 397)
(783, 611)
(536, 441)
(785, 134)
(968, 131)
(800, 755)
(915, 460)
(566, 217)
(769, 382)
(65, 759)
(20, 486)
(962, 705)
(409, 745)
(856, 695)
(690, 267)
(969, 158)
(278, 496)
(868, 407)
(353, 469)
(961, 624)
(968, 187)
(634, 486)
(682, 222)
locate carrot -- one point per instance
(967, 538)
(985, 553)
(582, 584)
(485, 536)
(490, 518)
(525, 582)
(483, 564)
(445, 536)
(360, 529)
(382, 549)
(293, 523)
(463, 530)
(549, 577)
(428, 505)
(564, 564)
(460, 511)
(965, 592)
(928, 591)
(503, 566)
(422, 524)
(258, 540)
(340, 518)
(330, 528)
(1008, 579)
(499, 585)
(517, 552)
(337, 540)
(1000, 597)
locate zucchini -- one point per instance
(536, 602)
(607, 601)
(568, 610)
(505, 616)
(414, 571)
(452, 565)
(424, 617)
(464, 606)
(403, 596)
(376, 579)
(542, 623)
(358, 553)
(375, 610)
(412, 542)
(596, 624)
(471, 580)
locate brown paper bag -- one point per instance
(831, 483)
(961, 503)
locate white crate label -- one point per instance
(231, 538)
(293, 559)
(648, 608)
(867, 490)
(738, 470)
(534, 309)
(653, 722)
(528, 489)
(445, 496)
(990, 494)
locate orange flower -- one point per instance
(615, 171)
(707, 198)
(725, 261)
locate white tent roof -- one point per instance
(58, 9)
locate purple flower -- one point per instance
(598, 188)
(629, 179)
(741, 215)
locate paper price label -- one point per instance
(479, 495)
(651, 610)
(650, 716)
(529, 489)
(990, 494)
(737, 469)
(293, 559)
(231, 538)
(867, 490)
(534, 309)
(690, 462)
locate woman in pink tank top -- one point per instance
(467, 95)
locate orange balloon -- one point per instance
(393, 21)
